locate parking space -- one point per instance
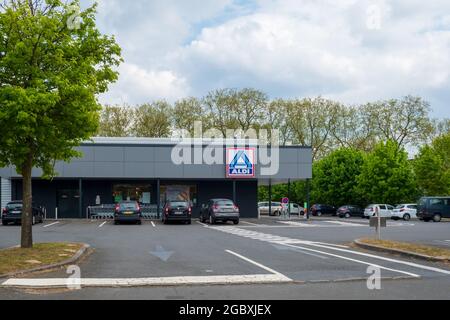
(260, 250)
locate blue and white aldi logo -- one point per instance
(241, 162)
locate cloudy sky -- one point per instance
(350, 50)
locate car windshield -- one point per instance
(128, 206)
(179, 204)
(14, 206)
(225, 203)
(400, 206)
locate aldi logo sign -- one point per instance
(241, 162)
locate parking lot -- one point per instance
(291, 254)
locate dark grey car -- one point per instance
(434, 208)
(12, 213)
(177, 211)
(223, 210)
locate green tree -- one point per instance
(432, 167)
(387, 176)
(335, 177)
(312, 123)
(405, 121)
(186, 112)
(232, 109)
(153, 120)
(115, 121)
(51, 71)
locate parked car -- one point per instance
(177, 211)
(296, 209)
(128, 211)
(12, 213)
(276, 209)
(433, 208)
(320, 209)
(405, 212)
(350, 211)
(385, 210)
(223, 210)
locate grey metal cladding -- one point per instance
(109, 170)
(305, 156)
(168, 170)
(304, 171)
(139, 154)
(139, 169)
(288, 155)
(193, 171)
(144, 161)
(288, 171)
(163, 154)
(218, 171)
(77, 170)
(109, 154)
(87, 154)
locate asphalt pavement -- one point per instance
(304, 260)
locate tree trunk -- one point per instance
(27, 211)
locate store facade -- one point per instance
(153, 171)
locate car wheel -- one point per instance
(319, 213)
(116, 223)
(189, 222)
(4, 223)
(426, 219)
(211, 220)
(407, 217)
(139, 223)
(236, 222)
(347, 215)
(301, 214)
(33, 220)
(437, 218)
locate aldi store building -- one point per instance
(152, 171)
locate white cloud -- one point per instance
(138, 85)
(285, 47)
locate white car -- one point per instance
(405, 212)
(276, 208)
(296, 209)
(385, 210)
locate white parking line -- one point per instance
(100, 226)
(342, 223)
(51, 224)
(257, 264)
(142, 282)
(249, 223)
(289, 242)
(153, 224)
(203, 224)
(411, 264)
(354, 260)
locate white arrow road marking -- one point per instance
(51, 224)
(100, 226)
(153, 224)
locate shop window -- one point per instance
(132, 192)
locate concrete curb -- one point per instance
(80, 254)
(398, 251)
